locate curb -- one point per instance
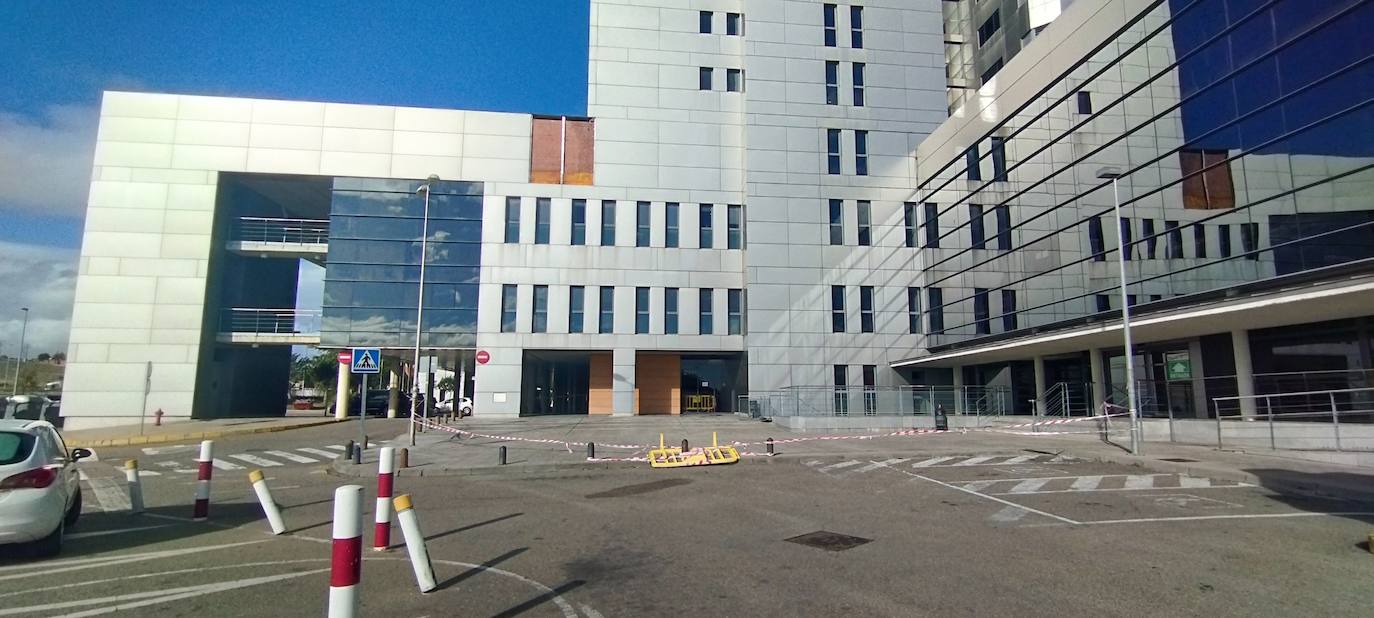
(195, 435)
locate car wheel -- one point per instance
(74, 512)
(51, 545)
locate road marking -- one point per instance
(82, 475)
(109, 495)
(198, 569)
(164, 450)
(87, 535)
(1025, 487)
(321, 452)
(1141, 520)
(291, 456)
(591, 613)
(158, 596)
(224, 465)
(980, 485)
(993, 498)
(1193, 482)
(1009, 514)
(1021, 459)
(814, 462)
(255, 460)
(880, 464)
(1086, 483)
(90, 563)
(337, 447)
(1140, 481)
(973, 461)
(842, 464)
(930, 462)
(143, 473)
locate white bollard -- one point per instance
(415, 543)
(135, 486)
(346, 564)
(269, 506)
(207, 456)
(386, 472)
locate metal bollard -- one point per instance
(135, 486)
(346, 563)
(365, 441)
(769, 443)
(403, 458)
(381, 536)
(348, 450)
(357, 455)
(684, 445)
(591, 450)
(201, 510)
(501, 455)
(269, 506)
(415, 543)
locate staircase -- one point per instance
(1068, 399)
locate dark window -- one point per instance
(990, 27)
(828, 13)
(641, 311)
(642, 219)
(1003, 214)
(607, 309)
(671, 233)
(870, 374)
(1104, 302)
(866, 308)
(734, 24)
(708, 230)
(734, 312)
(512, 220)
(670, 309)
(509, 297)
(932, 225)
(865, 223)
(1085, 102)
(935, 300)
(542, 212)
(608, 223)
(981, 323)
(734, 80)
(1147, 232)
(861, 153)
(836, 222)
(856, 27)
(706, 309)
(704, 22)
(992, 71)
(576, 303)
(704, 78)
(1127, 251)
(579, 222)
(975, 226)
(832, 151)
(975, 172)
(1249, 240)
(832, 82)
(1200, 242)
(841, 390)
(836, 308)
(999, 159)
(858, 84)
(913, 310)
(734, 226)
(1174, 250)
(1008, 310)
(1223, 240)
(909, 223)
(540, 323)
(1095, 245)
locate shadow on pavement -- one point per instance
(1343, 494)
(541, 599)
(100, 532)
(456, 579)
(471, 526)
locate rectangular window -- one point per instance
(509, 298)
(992, 71)
(734, 24)
(1223, 240)
(579, 222)
(861, 153)
(1085, 102)
(734, 80)
(1104, 303)
(865, 223)
(512, 220)
(704, 22)
(913, 310)
(828, 13)
(837, 222)
(1127, 251)
(642, 219)
(981, 324)
(542, 212)
(832, 151)
(975, 172)
(858, 84)
(1174, 250)
(909, 223)
(975, 226)
(540, 323)
(576, 302)
(935, 300)
(606, 323)
(734, 226)
(641, 311)
(836, 308)
(704, 78)
(706, 323)
(866, 309)
(671, 233)
(1200, 242)
(870, 375)
(1249, 240)
(990, 27)
(1095, 244)
(708, 230)
(832, 82)
(1003, 214)
(1008, 310)
(841, 390)
(734, 312)
(670, 309)
(999, 159)
(1147, 232)
(608, 223)
(856, 27)
(932, 225)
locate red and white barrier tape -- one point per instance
(563, 443)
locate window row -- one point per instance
(832, 151)
(869, 375)
(605, 310)
(734, 79)
(1148, 247)
(832, 82)
(929, 226)
(829, 18)
(998, 151)
(644, 218)
(734, 23)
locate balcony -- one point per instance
(254, 326)
(283, 238)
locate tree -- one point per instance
(60, 357)
(44, 357)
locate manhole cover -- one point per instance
(1178, 459)
(829, 541)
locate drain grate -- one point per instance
(829, 541)
(1178, 459)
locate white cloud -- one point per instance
(45, 163)
(44, 280)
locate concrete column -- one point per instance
(462, 375)
(623, 382)
(958, 389)
(393, 396)
(1040, 385)
(341, 398)
(1099, 379)
(1200, 401)
(1245, 373)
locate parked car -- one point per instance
(32, 408)
(40, 489)
(445, 406)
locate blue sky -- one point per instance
(58, 55)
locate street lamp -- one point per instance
(420, 306)
(14, 389)
(1114, 174)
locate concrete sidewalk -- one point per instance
(126, 435)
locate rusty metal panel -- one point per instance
(580, 158)
(545, 150)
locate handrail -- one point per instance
(1293, 394)
(272, 229)
(270, 321)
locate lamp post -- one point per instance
(1114, 174)
(420, 304)
(14, 388)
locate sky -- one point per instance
(57, 56)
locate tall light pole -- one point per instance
(1114, 174)
(14, 389)
(420, 304)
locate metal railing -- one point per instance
(292, 231)
(1339, 419)
(842, 401)
(270, 321)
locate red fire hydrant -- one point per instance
(157, 418)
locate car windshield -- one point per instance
(14, 447)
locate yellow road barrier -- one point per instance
(674, 457)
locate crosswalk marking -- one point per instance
(880, 464)
(1086, 483)
(143, 473)
(973, 461)
(1194, 482)
(290, 456)
(1029, 486)
(1021, 459)
(224, 465)
(1139, 481)
(980, 485)
(814, 462)
(337, 447)
(321, 452)
(255, 460)
(930, 462)
(842, 464)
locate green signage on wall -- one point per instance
(1177, 366)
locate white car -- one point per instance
(446, 406)
(40, 488)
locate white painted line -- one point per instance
(1193, 482)
(1086, 483)
(87, 535)
(1140, 481)
(82, 475)
(1021, 459)
(879, 464)
(973, 461)
(842, 464)
(169, 464)
(814, 462)
(109, 495)
(291, 456)
(1009, 514)
(143, 473)
(930, 462)
(321, 452)
(993, 498)
(337, 447)
(158, 597)
(1247, 516)
(1025, 487)
(255, 460)
(1063, 459)
(590, 613)
(90, 563)
(123, 578)
(164, 450)
(220, 464)
(979, 485)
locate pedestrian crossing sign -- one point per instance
(367, 360)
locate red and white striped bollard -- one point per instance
(386, 472)
(207, 456)
(346, 564)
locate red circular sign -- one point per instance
(346, 357)
(483, 357)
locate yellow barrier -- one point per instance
(673, 457)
